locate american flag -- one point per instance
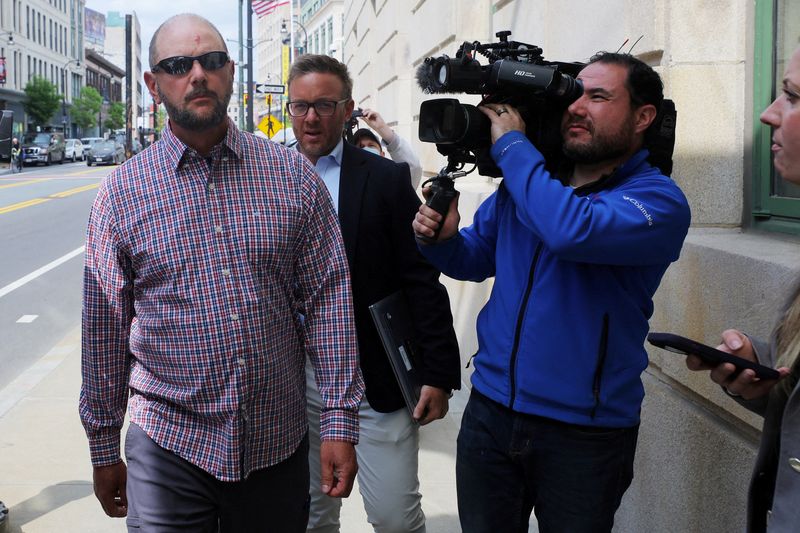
(263, 8)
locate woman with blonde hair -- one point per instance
(774, 495)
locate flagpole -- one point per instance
(240, 66)
(250, 85)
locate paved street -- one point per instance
(43, 214)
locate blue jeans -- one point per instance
(508, 463)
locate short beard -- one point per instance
(188, 120)
(600, 149)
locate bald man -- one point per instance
(202, 252)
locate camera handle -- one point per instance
(442, 193)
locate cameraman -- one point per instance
(552, 421)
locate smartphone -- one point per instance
(712, 356)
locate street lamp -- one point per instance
(3, 59)
(287, 37)
(64, 120)
(10, 34)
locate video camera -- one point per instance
(351, 124)
(516, 74)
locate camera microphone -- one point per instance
(426, 79)
(443, 75)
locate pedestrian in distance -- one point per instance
(552, 421)
(399, 149)
(199, 253)
(16, 155)
(375, 204)
(775, 485)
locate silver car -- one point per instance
(74, 150)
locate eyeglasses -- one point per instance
(324, 108)
(179, 65)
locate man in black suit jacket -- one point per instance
(376, 205)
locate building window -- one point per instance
(776, 203)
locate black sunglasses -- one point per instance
(182, 64)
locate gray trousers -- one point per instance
(387, 454)
(168, 494)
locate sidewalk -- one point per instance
(46, 476)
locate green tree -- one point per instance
(161, 119)
(86, 107)
(116, 116)
(41, 100)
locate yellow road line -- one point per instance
(22, 205)
(76, 190)
(38, 180)
(37, 201)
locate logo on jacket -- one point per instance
(641, 208)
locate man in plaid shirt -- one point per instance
(201, 254)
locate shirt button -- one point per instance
(243, 407)
(211, 187)
(226, 272)
(241, 361)
(794, 462)
(218, 229)
(234, 316)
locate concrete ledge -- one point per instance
(724, 279)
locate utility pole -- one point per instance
(128, 86)
(250, 85)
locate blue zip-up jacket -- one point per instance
(562, 335)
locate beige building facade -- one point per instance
(719, 61)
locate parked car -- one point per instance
(43, 147)
(106, 152)
(88, 142)
(73, 150)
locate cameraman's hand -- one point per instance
(504, 118)
(427, 220)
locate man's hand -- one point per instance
(427, 220)
(338, 468)
(745, 384)
(432, 405)
(504, 118)
(109, 487)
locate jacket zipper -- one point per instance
(602, 351)
(518, 332)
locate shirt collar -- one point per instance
(177, 151)
(336, 153)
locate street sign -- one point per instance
(265, 88)
(270, 125)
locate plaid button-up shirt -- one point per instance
(197, 271)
